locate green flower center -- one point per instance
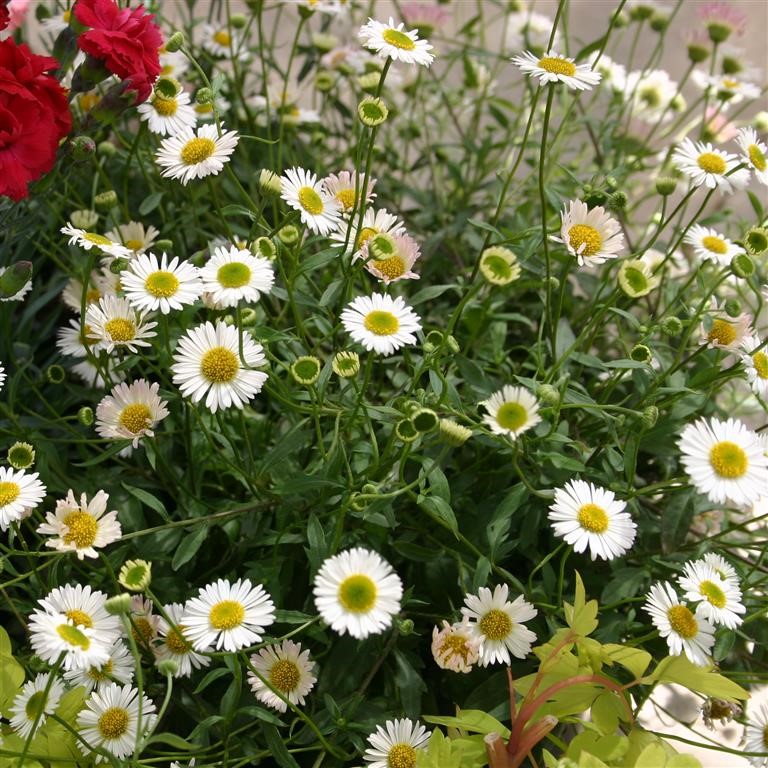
(728, 459)
(498, 266)
(284, 675)
(756, 157)
(592, 518)
(714, 244)
(35, 706)
(512, 416)
(227, 614)
(651, 96)
(583, 235)
(722, 332)
(162, 284)
(9, 492)
(196, 150)
(401, 756)
(235, 274)
(113, 723)
(357, 593)
(636, 280)
(557, 65)
(682, 621)
(495, 625)
(73, 636)
(219, 365)
(135, 418)
(120, 329)
(381, 323)
(760, 361)
(398, 39)
(81, 529)
(96, 239)
(713, 593)
(711, 163)
(310, 201)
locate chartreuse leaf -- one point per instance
(608, 749)
(635, 660)
(471, 720)
(683, 761)
(677, 669)
(605, 713)
(440, 752)
(11, 674)
(581, 617)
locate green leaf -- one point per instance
(636, 660)
(148, 499)
(440, 510)
(581, 617)
(149, 203)
(683, 761)
(653, 756)
(471, 720)
(277, 747)
(173, 740)
(605, 712)
(214, 674)
(677, 669)
(188, 547)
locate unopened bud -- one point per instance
(732, 307)
(697, 53)
(119, 265)
(119, 605)
(168, 667)
(164, 245)
(756, 240)
(641, 354)
(269, 183)
(288, 235)
(405, 431)
(346, 364)
(135, 575)
(204, 96)
(305, 370)
(21, 456)
(56, 375)
(650, 416)
(671, 326)
(454, 434)
(85, 416)
(424, 419)
(548, 394)
(105, 200)
(742, 266)
(238, 20)
(617, 201)
(372, 111)
(14, 278)
(106, 149)
(175, 42)
(404, 626)
(82, 147)
(665, 185)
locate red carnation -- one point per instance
(5, 15)
(34, 116)
(126, 41)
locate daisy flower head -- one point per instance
(530, 29)
(722, 20)
(724, 460)
(651, 94)
(391, 257)
(729, 90)
(145, 623)
(357, 591)
(319, 210)
(84, 606)
(168, 115)
(131, 411)
(81, 527)
(511, 411)
(725, 332)
(395, 42)
(722, 568)
(288, 670)
(612, 73)
(134, 235)
(175, 645)
(152, 284)
(498, 624)
(719, 601)
(55, 636)
(88, 240)
(709, 245)
(119, 667)
(710, 167)
(756, 735)
(110, 720)
(586, 515)
(72, 295)
(685, 632)
(374, 223)
(396, 744)
(755, 360)
(380, 323)
(592, 236)
(32, 704)
(75, 340)
(207, 364)
(115, 323)
(346, 188)
(191, 155)
(455, 646)
(755, 153)
(221, 41)
(20, 493)
(234, 274)
(228, 616)
(554, 68)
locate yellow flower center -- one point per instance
(120, 329)
(81, 529)
(495, 625)
(88, 101)
(760, 361)
(9, 492)
(223, 38)
(592, 518)
(398, 39)
(92, 296)
(219, 365)
(713, 594)
(393, 267)
(204, 109)
(161, 284)
(711, 163)
(113, 723)
(381, 323)
(714, 244)
(79, 617)
(310, 201)
(96, 239)
(557, 65)
(756, 157)
(102, 673)
(166, 69)
(227, 614)
(73, 636)
(176, 643)
(366, 233)
(454, 645)
(511, 416)
(582, 236)
(135, 418)
(142, 630)
(682, 621)
(401, 756)
(722, 332)
(357, 594)
(346, 198)
(134, 245)
(284, 675)
(197, 150)
(65, 16)
(35, 705)
(728, 459)
(235, 274)
(165, 107)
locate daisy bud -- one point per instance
(372, 111)
(324, 42)
(760, 121)
(640, 354)
(119, 265)
(21, 456)
(499, 265)
(204, 96)
(369, 81)
(554, 284)
(718, 33)
(238, 20)
(288, 235)
(370, 489)
(671, 326)
(248, 317)
(548, 394)
(405, 431)
(454, 434)
(636, 278)
(104, 149)
(649, 416)
(743, 266)
(404, 626)
(14, 278)
(346, 364)
(424, 419)
(135, 575)
(175, 42)
(105, 200)
(84, 219)
(732, 307)
(167, 87)
(85, 416)
(641, 12)
(357, 503)
(83, 147)
(119, 605)
(756, 240)
(453, 345)
(665, 185)
(269, 183)
(265, 248)
(659, 22)
(167, 667)
(164, 245)
(324, 81)
(305, 370)
(617, 201)
(697, 52)
(56, 375)
(620, 20)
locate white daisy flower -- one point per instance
(395, 42)
(221, 41)
(755, 153)
(403, 252)
(396, 744)
(110, 720)
(72, 295)
(756, 736)
(732, 90)
(455, 647)
(150, 284)
(357, 591)
(2, 382)
(288, 670)
(724, 460)
(511, 411)
(724, 331)
(84, 606)
(234, 274)
(52, 635)
(231, 616)
(755, 360)
(652, 95)
(613, 74)
(188, 155)
(32, 704)
(380, 323)
(88, 240)
(498, 624)
(304, 193)
(207, 364)
(719, 601)
(168, 116)
(172, 63)
(710, 167)
(134, 236)
(586, 515)
(76, 340)
(131, 411)
(592, 236)
(722, 568)
(115, 323)
(374, 223)
(119, 668)
(709, 245)
(530, 29)
(20, 493)
(81, 527)
(554, 68)
(684, 631)
(175, 645)
(341, 187)
(21, 293)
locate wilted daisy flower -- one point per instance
(391, 257)
(755, 360)
(341, 187)
(115, 323)
(725, 332)
(710, 245)
(188, 155)
(592, 236)
(498, 624)
(88, 240)
(396, 744)
(110, 720)
(724, 460)
(134, 236)
(145, 623)
(81, 527)
(175, 645)
(33, 704)
(380, 323)
(395, 42)
(374, 223)
(720, 601)
(553, 68)
(131, 411)
(511, 411)
(586, 515)
(150, 284)
(756, 735)
(455, 647)
(652, 95)
(684, 631)
(710, 167)
(755, 153)
(168, 115)
(207, 364)
(288, 670)
(357, 591)
(119, 667)
(234, 274)
(20, 493)
(231, 616)
(304, 193)
(52, 635)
